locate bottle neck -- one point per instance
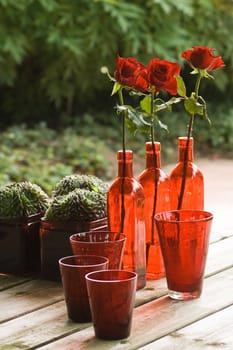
(153, 155)
(185, 153)
(125, 163)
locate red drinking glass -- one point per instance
(73, 270)
(104, 243)
(184, 240)
(112, 296)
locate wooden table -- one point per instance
(33, 314)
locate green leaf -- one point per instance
(116, 87)
(192, 106)
(181, 86)
(146, 104)
(166, 105)
(137, 118)
(162, 125)
(195, 71)
(135, 122)
(123, 108)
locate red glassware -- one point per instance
(126, 214)
(112, 296)
(55, 242)
(193, 194)
(156, 188)
(104, 243)
(184, 239)
(73, 270)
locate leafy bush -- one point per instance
(44, 156)
(51, 51)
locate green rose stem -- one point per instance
(190, 130)
(155, 167)
(124, 115)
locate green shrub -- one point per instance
(44, 156)
(51, 51)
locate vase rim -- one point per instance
(172, 216)
(184, 138)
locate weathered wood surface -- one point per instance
(33, 314)
(212, 332)
(29, 296)
(7, 281)
(158, 318)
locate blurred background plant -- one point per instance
(56, 113)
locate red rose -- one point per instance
(201, 57)
(141, 78)
(131, 73)
(161, 75)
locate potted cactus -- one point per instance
(22, 204)
(78, 203)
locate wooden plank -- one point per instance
(220, 256)
(212, 332)
(29, 296)
(150, 321)
(23, 296)
(37, 327)
(7, 281)
(217, 236)
(39, 294)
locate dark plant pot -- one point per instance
(55, 244)
(20, 244)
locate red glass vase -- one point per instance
(186, 180)
(126, 214)
(156, 188)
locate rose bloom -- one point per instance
(131, 73)
(161, 75)
(202, 57)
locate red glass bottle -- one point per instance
(156, 188)
(193, 186)
(126, 214)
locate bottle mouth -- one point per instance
(184, 141)
(128, 155)
(149, 146)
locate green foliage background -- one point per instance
(51, 52)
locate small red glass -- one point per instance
(184, 240)
(73, 270)
(104, 243)
(112, 297)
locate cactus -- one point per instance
(22, 199)
(78, 205)
(71, 182)
(79, 198)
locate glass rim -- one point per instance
(66, 264)
(133, 276)
(122, 236)
(160, 217)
